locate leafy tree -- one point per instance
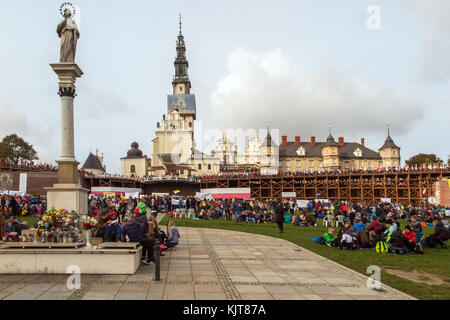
(422, 158)
(14, 148)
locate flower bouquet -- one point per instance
(89, 223)
(56, 224)
(11, 237)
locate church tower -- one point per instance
(173, 147)
(181, 83)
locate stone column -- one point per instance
(67, 193)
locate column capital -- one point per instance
(67, 75)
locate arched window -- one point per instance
(133, 168)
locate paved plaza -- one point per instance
(213, 265)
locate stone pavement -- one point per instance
(213, 265)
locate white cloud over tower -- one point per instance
(271, 87)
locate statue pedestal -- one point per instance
(68, 196)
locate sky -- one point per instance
(299, 66)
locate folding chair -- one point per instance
(191, 213)
(183, 212)
(177, 213)
(340, 220)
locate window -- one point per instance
(199, 166)
(347, 165)
(299, 164)
(370, 164)
(360, 164)
(311, 163)
(301, 151)
(288, 164)
(209, 166)
(388, 163)
(358, 152)
(326, 151)
(334, 161)
(181, 171)
(394, 152)
(133, 169)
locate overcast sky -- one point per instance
(295, 64)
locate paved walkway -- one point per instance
(213, 265)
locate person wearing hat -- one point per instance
(113, 230)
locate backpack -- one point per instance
(381, 247)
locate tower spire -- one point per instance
(181, 83)
(389, 134)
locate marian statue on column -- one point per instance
(68, 32)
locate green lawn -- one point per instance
(434, 261)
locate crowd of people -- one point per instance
(134, 219)
(120, 219)
(27, 166)
(289, 173)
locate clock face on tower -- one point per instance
(181, 103)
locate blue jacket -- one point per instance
(135, 232)
(359, 226)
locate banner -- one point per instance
(134, 195)
(288, 195)
(302, 203)
(23, 182)
(387, 200)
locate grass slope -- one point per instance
(434, 261)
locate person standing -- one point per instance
(278, 217)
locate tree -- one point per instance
(422, 158)
(13, 148)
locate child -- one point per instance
(329, 237)
(348, 240)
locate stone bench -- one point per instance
(55, 258)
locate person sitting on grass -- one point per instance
(363, 239)
(375, 229)
(437, 238)
(348, 240)
(412, 240)
(398, 242)
(327, 238)
(416, 226)
(287, 218)
(359, 226)
(391, 227)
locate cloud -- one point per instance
(435, 60)
(270, 87)
(93, 103)
(14, 120)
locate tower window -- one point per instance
(199, 166)
(133, 169)
(209, 166)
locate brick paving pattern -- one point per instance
(214, 265)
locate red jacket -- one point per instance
(375, 226)
(410, 236)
